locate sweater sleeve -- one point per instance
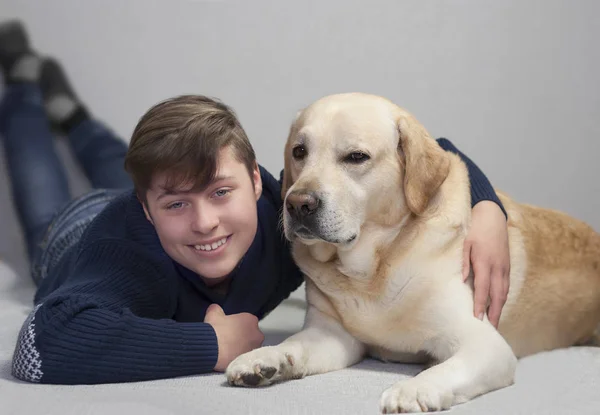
(111, 325)
(481, 188)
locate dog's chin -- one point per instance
(309, 237)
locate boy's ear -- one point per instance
(257, 181)
(146, 212)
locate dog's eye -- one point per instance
(357, 157)
(299, 152)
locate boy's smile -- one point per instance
(211, 248)
(207, 231)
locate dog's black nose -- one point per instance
(302, 204)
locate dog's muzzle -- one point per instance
(304, 211)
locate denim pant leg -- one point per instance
(38, 181)
(101, 155)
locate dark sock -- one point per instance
(17, 61)
(63, 108)
(74, 119)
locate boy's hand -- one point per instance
(236, 334)
(486, 250)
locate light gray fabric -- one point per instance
(560, 382)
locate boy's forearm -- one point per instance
(85, 345)
(481, 188)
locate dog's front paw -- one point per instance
(260, 367)
(415, 395)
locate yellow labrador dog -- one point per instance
(378, 214)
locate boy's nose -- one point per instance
(205, 221)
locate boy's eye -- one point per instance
(222, 192)
(176, 205)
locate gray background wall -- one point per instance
(514, 84)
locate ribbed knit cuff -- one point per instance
(481, 190)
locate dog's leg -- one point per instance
(322, 346)
(477, 360)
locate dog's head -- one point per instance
(352, 159)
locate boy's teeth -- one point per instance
(210, 247)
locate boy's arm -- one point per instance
(112, 326)
(481, 188)
(486, 250)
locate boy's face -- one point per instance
(208, 232)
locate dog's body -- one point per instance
(378, 214)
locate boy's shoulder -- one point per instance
(123, 218)
(111, 219)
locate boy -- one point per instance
(161, 273)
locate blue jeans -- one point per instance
(51, 220)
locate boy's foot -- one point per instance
(63, 108)
(18, 62)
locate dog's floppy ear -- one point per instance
(286, 181)
(426, 164)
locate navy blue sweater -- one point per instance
(117, 308)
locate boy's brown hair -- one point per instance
(182, 137)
